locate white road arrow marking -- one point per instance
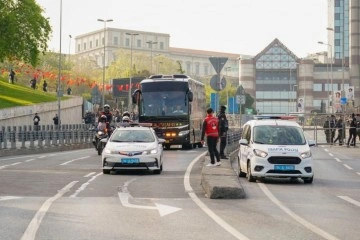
(8, 198)
(124, 197)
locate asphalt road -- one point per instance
(64, 195)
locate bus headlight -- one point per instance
(183, 133)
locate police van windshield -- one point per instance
(279, 135)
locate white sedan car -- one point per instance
(133, 147)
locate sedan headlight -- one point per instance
(183, 133)
(306, 154)
(151, 151)
(260, 153)
(107, 151)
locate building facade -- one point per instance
(195, 62)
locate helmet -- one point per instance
(126, 119)
(106, 107)
(103, 117)
(126, 113)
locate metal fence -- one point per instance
(22, 137)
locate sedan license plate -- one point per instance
(130, 160)
(284, 167)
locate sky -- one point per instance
(243, 27)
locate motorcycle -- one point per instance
(100, 139)
(99, 145)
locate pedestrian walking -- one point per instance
(12, 76)
(352, 133)
(45, 86)
(56, 121)
(210, 128)
(340, 129)
(327, 129)
(36, 121)
(223, 127)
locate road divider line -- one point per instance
(17, 163)
(338, 160)
(347, 166)
(29, 160)
(227, 227)
(358, 173)
(65, 163)
(296, 217)
(331, 155)
(84, 185)
(90, 174)
(350, 200)
(30, 232)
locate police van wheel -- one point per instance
(167, 146)
(249, 177)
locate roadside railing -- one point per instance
(23, 137)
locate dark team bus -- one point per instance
(175, 107)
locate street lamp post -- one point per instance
(227, 89)
(69, 45)
(294, 98)
(331, 81)
(151, 52)
(132, 35)
(59, 77)
(103, 83)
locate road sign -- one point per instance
(218, 63)
(216, 84)
(240, 99)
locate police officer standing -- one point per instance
(224, 127)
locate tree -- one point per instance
(24, 32)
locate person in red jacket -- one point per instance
(210, 127)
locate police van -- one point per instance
(275, 146)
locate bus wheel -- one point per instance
(167, 146)
(187, 146)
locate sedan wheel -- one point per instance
(241, 173)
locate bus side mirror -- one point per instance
(190, 96)
(136, 96)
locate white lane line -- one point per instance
(65, 163)
(17, 163)
(90, 174)
(34, 225)
(84, 185)
(296, 217)
(350, 200)
(29, 160)
(227, 227)
(358, 173)
(331, 155)
(9, 198)
(338, 160)
(347, 166)
(43, 156)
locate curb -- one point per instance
(221, 182)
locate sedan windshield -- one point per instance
(279, 135)
(132, 136)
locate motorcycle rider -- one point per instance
(107, 113)
(102, 126)
(126, 119)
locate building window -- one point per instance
(337, 16)
(127, 42)
(138, 43)
(318, 87)
(79, 47)
(116, 41)
(188, 68)
(97, 43)
(84, 46)
(103, 41)
(206, 70)
(197, 69)
(90, 44)
(162, 45)
(337, 42)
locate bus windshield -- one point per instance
(169, 103)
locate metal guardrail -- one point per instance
(29, 137)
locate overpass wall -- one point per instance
(71, 113)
